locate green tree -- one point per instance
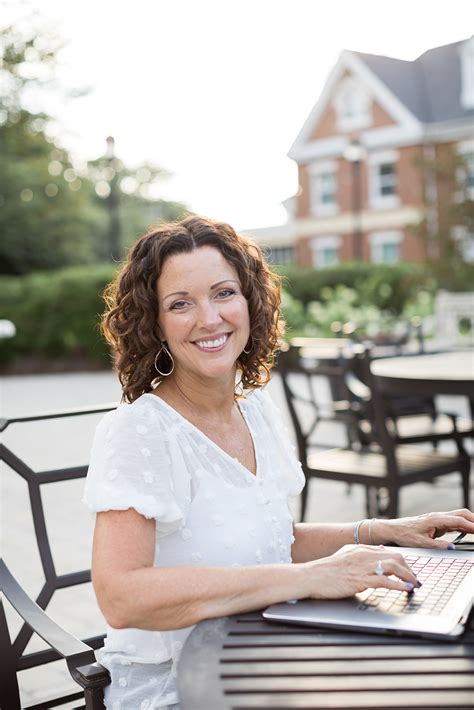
(52, 213)
(48, 217)
(448, 224)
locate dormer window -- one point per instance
(352, 104)
(467, 73)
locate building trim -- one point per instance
(383, 156)
(448, 131)
(325, 166)
(288, 234)
(349, 61)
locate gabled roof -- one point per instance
(402, 78)
(416, 94)
(430, 86)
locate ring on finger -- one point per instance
(379, 570)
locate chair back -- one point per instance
(369, 408)
(14, 651)
(313, 383)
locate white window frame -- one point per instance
(323, 243)
(352, 92)
(286, 250)
(316, 171)
(378, 240)
(374, 161)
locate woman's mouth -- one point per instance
(212, 344)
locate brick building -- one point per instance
(362, 157)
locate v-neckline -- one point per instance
(212, 443)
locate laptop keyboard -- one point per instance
(440, 578)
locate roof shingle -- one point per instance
(430, 86)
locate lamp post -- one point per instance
(354, 154)
(113, 202)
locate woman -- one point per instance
(190, 477)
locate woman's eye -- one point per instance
(223, 293)
(178, 305)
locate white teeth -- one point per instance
(212, 343)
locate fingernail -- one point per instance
(451, 546)
(409, 586)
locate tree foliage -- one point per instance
(45, 221)
(54, 213)
(448, 225)
(388, 287)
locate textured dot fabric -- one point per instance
(209, 510)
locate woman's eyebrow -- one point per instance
(224, 281)
(186, 293)
(176, 293)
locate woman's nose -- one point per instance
(209, 314)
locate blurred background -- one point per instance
(343, 142)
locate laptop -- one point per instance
(439, 609)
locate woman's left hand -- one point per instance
(422, 530)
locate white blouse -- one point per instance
(209, 511)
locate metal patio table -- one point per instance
(430, 374)
(242, 662)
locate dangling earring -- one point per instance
(250, 348)
(163, 347)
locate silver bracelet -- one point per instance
(357, 527)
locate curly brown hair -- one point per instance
(130, 321)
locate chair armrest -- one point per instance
(79, 657)
(454, 420)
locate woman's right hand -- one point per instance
(343, 574)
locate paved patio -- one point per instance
(47, 445)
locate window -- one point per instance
(387, 179)
(352, 104)
(383, 181)
(281, 255)
(325, 251)
(323, 189)
(385, 247)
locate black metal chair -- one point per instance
(409, 340)
(314, 360)
(410, 419)
(376, 461)
(79, 655)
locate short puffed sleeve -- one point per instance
(290, 468)
(130, 467)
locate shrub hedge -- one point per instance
(56, 314)
(387, 287)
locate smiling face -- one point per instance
(204, 316)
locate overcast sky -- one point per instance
(216, 91)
